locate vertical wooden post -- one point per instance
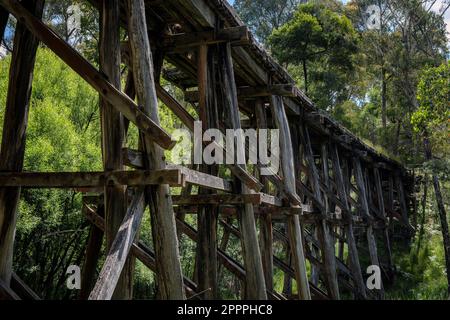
(255, 282)
(168, 266)
(92, 254)
(112, 137)
(288, 169)
(355, 266)
(14, 132)
(366, 213)
(265, 220)
(328, 252)
(207, 265)
(390, 192)
(379, 188)
(326, 174)
(401, 198)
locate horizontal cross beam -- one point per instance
(172, 177)
(286, 90)
(236, 35)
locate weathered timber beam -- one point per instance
(118, 253)
(288, 169)
(146, 71)
(255, 281)
(228, 262)
(112, 133)
(14, 132)
(380, 200)
(355, 265)
(93, 246)
(147, 257)
(134, 159)
(22, 289)
(286, 90)
(402, 200)
(315, 291)
(239, 172)
(6, 293)
(173, 177)
(323, 229)
(363, 201)
(313, 260)
(197, 10)
(203, 180)
(265, 221)
(139, 249)
(90, 74)
(228, 199)
(235, 35)
(175, 107)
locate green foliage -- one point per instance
(319, 46)
(313, 32)
(262, 16)
(421, 273)
(63, 135)
(434, 99)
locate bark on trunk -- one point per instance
(441, 211)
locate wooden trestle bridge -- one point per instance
(334, 200)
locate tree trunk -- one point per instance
(441, 210)
(383, 98)
(423, 218)
(305, 74)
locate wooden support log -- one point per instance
(147, 257)
(169, 273)
(92, 76)
(355, 266)
(255, 282)
(14, 132)
(315, 291)
(6, 293)
(328, 251)
(173, 177)
(287, 164)
(134, 158)
(228, 199)
(362, 198)
(119, 250)
(380, 200)
(22, 289)
(112, 136)
(206, 271)
(188, 121)
(235, 35)
(93, 251)
(138, 249)
(229, 263)
(204, 180)
(286, 90)
(283, 90)
(401, 199)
